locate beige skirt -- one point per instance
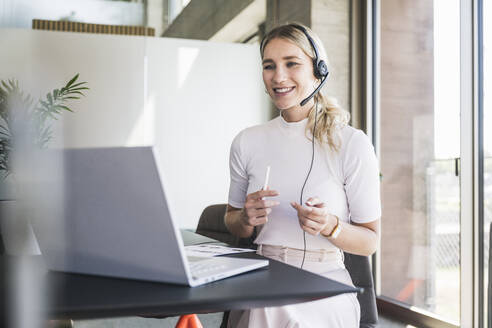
(341, 311)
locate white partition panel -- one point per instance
(113, 66)
(202, 94)
(188, 98)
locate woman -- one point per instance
(323, 194)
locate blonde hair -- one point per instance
(330, 115)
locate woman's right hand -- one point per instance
(257, 208)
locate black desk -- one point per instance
(82, 297)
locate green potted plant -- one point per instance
(26, 122)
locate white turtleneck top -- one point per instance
(347, 181)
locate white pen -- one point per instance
(267, 177)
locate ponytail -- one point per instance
(331, 117)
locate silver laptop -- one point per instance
(104, 211)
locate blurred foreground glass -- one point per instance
(25, 202)
(487, 142)
(420, 150)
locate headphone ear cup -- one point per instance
(321, 69)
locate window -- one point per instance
(20, 13)
(419, 132)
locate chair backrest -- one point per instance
(212, 225)
(360, 271)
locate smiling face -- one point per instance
(287, 74)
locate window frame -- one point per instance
(472, 162)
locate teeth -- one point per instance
(282, 89)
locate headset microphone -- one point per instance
(319, 65)
(315, 91)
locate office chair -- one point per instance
(211, 224)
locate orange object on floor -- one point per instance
(189, 321)
(409, 289)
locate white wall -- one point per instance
(188, 98)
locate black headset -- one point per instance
(320, 67)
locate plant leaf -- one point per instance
(77, 84)
(45, 104)
(63, 107)
(72, 81)
(82, 88)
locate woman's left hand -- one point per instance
(314, 217)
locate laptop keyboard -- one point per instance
(205, 268)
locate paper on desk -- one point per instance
(210, 250)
